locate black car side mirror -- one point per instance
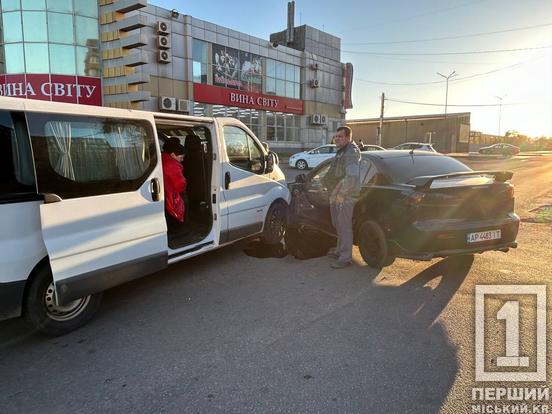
(300, 178)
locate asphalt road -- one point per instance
(230, 333)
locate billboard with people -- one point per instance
(236, 69)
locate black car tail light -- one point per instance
(414, 199)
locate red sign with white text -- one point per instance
(56, 88)
(232, 97)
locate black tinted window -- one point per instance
(403, 169)
(16, 166)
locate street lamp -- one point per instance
(452, 75)
(500, 98)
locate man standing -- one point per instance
(343, 181)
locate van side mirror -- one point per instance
(271, 159)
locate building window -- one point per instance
(34, 27)
(12, 27)
(60, 28)
(36, 58)
(282, 127)
(200, 60)
(65, 6)
(15, 58)
(86, 30)
(62, 59)
(282, 79)
(10, 5)
(33, 4)
(86, 8)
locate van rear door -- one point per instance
(103, 218)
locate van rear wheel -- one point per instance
(49, 318)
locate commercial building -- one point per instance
(291, 90)
(447, 133)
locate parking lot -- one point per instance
(227, 332)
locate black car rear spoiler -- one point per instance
(425, 181)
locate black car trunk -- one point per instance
(466, 202)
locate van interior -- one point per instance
(198, 162)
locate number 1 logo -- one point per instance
(509, 312)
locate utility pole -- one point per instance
(500, 98)
(453, 74)
(380, 132)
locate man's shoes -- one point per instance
(340, 264)
(332, 255)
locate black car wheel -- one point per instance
(372, 244)
(301, 165)
(275, 223)
(49, 318)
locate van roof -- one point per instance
(22, 104)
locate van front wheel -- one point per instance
(275, 223)
(49, 318)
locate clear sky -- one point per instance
(522, 78)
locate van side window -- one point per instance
(16, 163)
(243, 152)
(85, 156)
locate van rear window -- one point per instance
(404, 168)
(84, 156)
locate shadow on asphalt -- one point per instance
(309, 341)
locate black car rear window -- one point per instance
(405, 168)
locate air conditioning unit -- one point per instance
(315, 83)
(167, 103)
(314, 66)
(315, 119)
(164, 57)
(163, 42)
(185, 105)
(162, 28)
(323, 119)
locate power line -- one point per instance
(445, 53)
(475, 75)
(434, 104)
(428, 13)
(449, 37)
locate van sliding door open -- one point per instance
(103, 218)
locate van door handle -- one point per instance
(227, 180)
(155, 189)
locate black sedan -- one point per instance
(501, 149)
(417, 205)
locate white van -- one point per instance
(82, 206)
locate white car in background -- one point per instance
(418, 146)
(313, 157)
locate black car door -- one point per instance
(311, 204)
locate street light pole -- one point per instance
(500, 98)
(453, 74)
